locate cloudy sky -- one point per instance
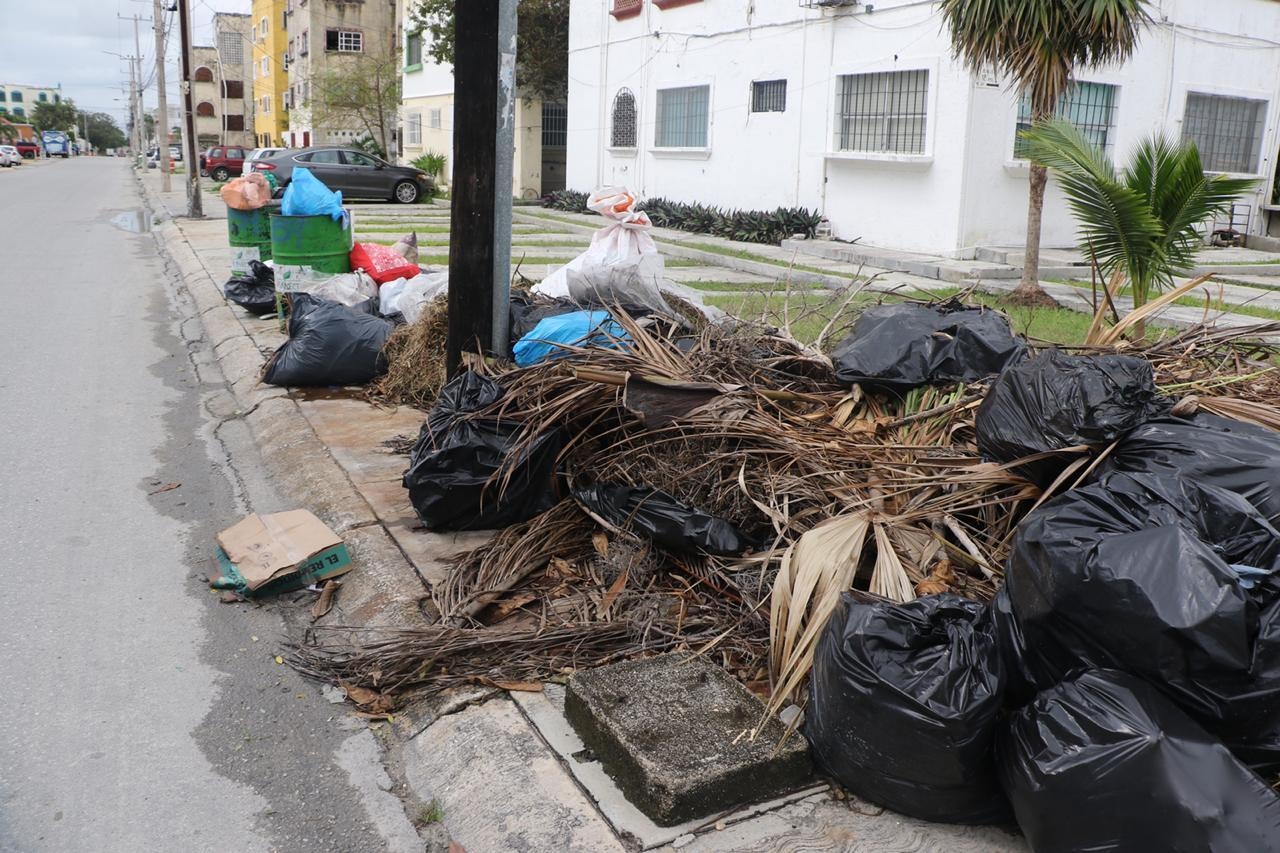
(72, 41)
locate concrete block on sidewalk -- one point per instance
(499, 788)
(674, 732)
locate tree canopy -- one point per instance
(102, 130)
(361, 93)
(46, 115)
(542, 42)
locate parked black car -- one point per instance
(353, 173)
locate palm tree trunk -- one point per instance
(1029, 291)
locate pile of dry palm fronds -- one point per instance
(415, 357)
(839, 488)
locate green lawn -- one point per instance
(747, 287)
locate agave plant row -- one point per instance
(748, 226)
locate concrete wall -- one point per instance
(962, 191)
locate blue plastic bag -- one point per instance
(307, 196)
(552, 335)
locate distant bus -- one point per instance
(56, 144)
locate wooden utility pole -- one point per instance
(483, 150)
(162, 100)
(195, 205)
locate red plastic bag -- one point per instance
(382, 263)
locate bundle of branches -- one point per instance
(415, 357)
(1229, 371)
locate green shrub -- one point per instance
(431, 163)
(748, 226)
(569, 200)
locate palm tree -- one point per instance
(1142, 220)
(1040, 43)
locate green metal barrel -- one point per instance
(311, 241)
(249, 232)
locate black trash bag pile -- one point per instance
(254, 292)
(1239, 457)
(329, 344)
(905, 703)
(1055, 401)
(656, 515)
(459, 476)
(1175, 580)
(1103, 762)
(904, 346)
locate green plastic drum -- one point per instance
(249, 232)
(311, 241)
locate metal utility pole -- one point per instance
(162, 107)
(483, 150)
(195, 205)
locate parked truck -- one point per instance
(56, 144)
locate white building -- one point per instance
(861, 112)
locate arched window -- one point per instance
(204, 74)
(204, 109)
(623, 131)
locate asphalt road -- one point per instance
(137, 713)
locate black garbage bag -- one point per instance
(904, 704)
(460, 476)
(670, 523)
(1234, 456)
(1170, 579)
(329, 344)
(1020, 674)
(907, 345)
(1103, 763)
(1057, 400)
(254, 292)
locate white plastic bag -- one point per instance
(419, 292)
(614, 249)
(350, 288)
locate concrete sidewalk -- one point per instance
(504, 771)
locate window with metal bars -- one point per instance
(1090, 107)
(882, 113)
(769, 96)
(622, 132)
(683, 117)
(555, 125)
(413, 129)
(433, 118)
(1227, 131)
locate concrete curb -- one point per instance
(385, 589)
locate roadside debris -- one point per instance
(269, 554)
(307, 196)
(248, 192)
(255, 292)
(381, 263)
(927, 537)
(329, 344)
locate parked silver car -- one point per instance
(353, 173)
(9, 156)
(259, 154)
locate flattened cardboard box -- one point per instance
(269, 554)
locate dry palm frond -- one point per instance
(479, 577)
(813, 574)
(1248, 411)
(1140, 314)
(416, 358)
